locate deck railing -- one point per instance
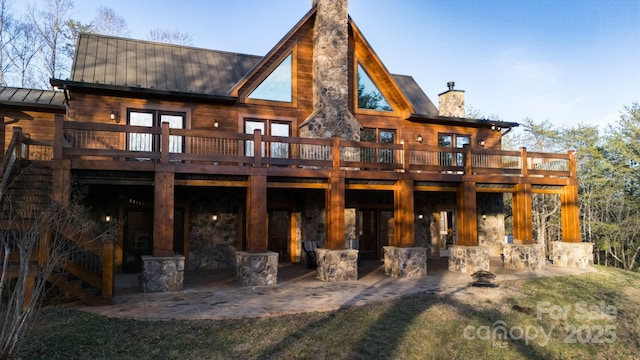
(78, 140)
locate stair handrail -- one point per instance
(13, 153)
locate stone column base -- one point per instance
(468, 259)
(405, 262)
(572, 254)
(337, 265)
(253, 269)
(162, 274)
(525, 257)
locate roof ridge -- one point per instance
(85, 34)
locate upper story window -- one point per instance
(383, 136)
(144, 141)
(453, 140)
(277, 86)
(369, 96)
(272, 128)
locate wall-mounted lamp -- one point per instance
(419, 138)
(107, 218)
(214, 217)
(420, 216)
(495, 128)
(112, 116)
(484, 216)
(216, 124)
(481, 143)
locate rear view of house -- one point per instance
(209, 160)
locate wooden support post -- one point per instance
(58, 136)
(335, 153)
(43, 246)
(467, 214)
(570, 214)
(164, 143)
(163, 210)
(61, 182)
(257, 234)
(335, 196)
(403, 214)
(29, 287)
(108, 262)
(522, 214)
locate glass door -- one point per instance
(447, 237)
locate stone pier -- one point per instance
(572, 254)
(405, 262)
(468, 259)
(529, 257)
(162, 274)
(337, 265)
(253, 269)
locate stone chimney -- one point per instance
(331, 115)
(451, 102)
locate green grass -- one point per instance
(424, 326)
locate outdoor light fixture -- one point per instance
(107, 218)
(481, 143)
(419, 138)
(420, 216)
(216, 124)
(112, 116)
(484, 216)
(214, 217)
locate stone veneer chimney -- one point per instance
(331, 115)
(451, 102)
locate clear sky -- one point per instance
(566, 61)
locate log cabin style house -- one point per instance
(208, 160)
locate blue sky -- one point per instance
(566, 61)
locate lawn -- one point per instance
(594, 315)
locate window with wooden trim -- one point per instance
(383, 136)
(369, 96)
(277, 86)
(148, 142)
(452, 140)
(273, 149)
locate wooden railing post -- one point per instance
(573, 165)
(164, 147)
(17, 133)
(107, 268)
(525, 163)
(257, 148)
(405, 156)
(467, 160)
(335, 153)
(58, 137)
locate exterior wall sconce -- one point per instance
(107, 218)
(214, 217)
(481, 143)
(495, 128)
(420, 216)
(419, 138)
(112, 116)
(216, 124)
(484, 216)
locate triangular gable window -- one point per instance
(277, 86)
(369, 97)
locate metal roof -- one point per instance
(32, 97)
(419, 100)
(114, 61)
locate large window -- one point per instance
(369, 96)
(277, 86)
(383, 136)
(453, 140)
(268, 127)
(144, 141)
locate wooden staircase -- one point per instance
(86, 272)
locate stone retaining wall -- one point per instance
(529, 257)
(405, 262)
(337, 265)
(253, 269)
(162, 274)
(572, 254)
(468, 259)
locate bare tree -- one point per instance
(6, 22)
(22, 51)
(51, 25)
(170, 36)
(107, 22)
